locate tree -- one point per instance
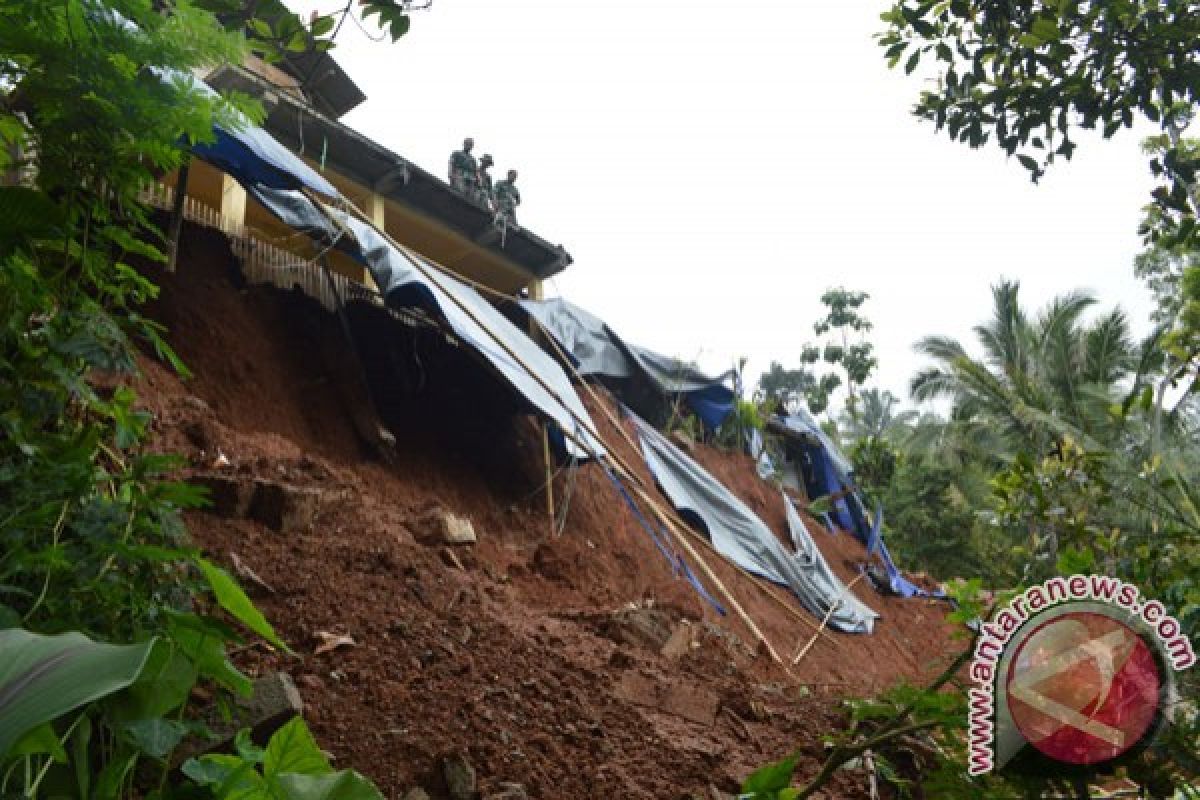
(1030, 74)
(848, 348)
(878, 417)
(91, 536)
(789, 388)
(1039, 371)
(845, 347)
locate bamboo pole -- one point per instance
(615, 422)
(549, 477)
(828, 614)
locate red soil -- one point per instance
(516, 659)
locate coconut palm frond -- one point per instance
(1063, 355)
(932, 383)
(1005, 337)
(940, 348)
(1064, 311)
(1109, 348)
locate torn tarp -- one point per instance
(406, 282)
(822, 469)
(245, 151)
(826, 589)
(737, 533)
(825, 471)
(597, 350)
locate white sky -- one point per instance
(714, 167)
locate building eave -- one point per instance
(376, 168)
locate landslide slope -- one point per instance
(578, 665)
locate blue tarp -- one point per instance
(828, 472)
(254, 158)
(248, 153)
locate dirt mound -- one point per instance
(579, 665)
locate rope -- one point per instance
(678, 565)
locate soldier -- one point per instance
(486, 192)
(507, 199)
(464, 172)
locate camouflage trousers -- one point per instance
(465, 182)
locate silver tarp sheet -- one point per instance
(599, 351)
(737, 533)
(528, 369)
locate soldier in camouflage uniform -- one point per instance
(486, 193)
(464, 172)
(507, 199)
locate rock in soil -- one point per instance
(460, 777)
(285, 508)
(439, 526)
(231, 496)
(275, 700)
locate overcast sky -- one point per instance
(714, 167)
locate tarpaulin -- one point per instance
(253, 157)
(245, 151)
(597, 350)
(825, 588)
(823, 470)
(405, 282)
(737, 533)
(582, 336)
(826, 472)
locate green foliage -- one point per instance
(44, 677)
(847, 351)
(934, 522)
(1028, 75)
(292, 767)
(274, 33)
(91, 533)
(790, 388)
(1064, 502)
(771, 782)
(231, 598)
(747, 416)
(874, 463)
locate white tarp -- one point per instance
(738, 533)
(403, 282)
(529, 370)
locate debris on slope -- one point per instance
(572, 666)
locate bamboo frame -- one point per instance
(614, 460)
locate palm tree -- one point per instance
(877, 417)
(1041, 375)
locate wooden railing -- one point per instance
(265, 263)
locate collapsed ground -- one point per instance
(577, 665)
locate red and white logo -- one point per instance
(1083, 687)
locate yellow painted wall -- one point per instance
(411, 228)
(434, 240)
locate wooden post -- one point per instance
(549, 476)
(545, 426)
(181, 183)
